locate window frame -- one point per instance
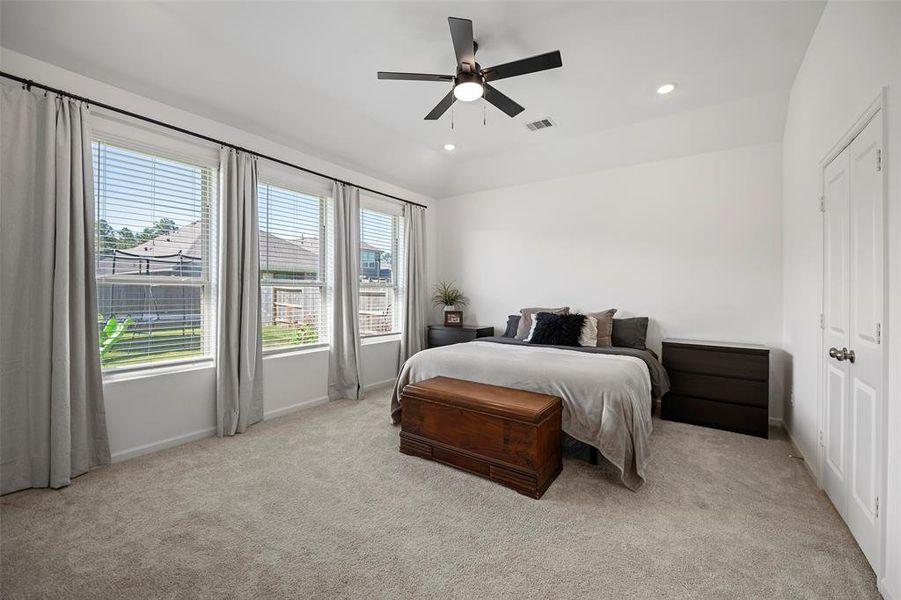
(285, 183)
(396, 270)
(110, 130)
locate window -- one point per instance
(380, 249)
(153, 254)
(293, 290)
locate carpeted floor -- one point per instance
(320, 504)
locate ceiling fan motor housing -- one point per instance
(472, 76)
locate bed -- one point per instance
(607, 392)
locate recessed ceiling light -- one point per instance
(449, 147)
(666, 88)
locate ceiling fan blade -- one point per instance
(542, 62)
(501, 101)
(441, 107)
(414, 76)
(461, 34)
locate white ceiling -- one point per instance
(304, 74)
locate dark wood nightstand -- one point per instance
(439, 335)
(718, 384)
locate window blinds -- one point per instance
(292, 267)
(153, 256)
(379, 261)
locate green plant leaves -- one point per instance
(448, 294)
(112, 333)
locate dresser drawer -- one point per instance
(722, 362)
(444, 336)
(711, 387)
(739, 418)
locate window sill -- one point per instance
(380, 339)
(129, 373)
(279, 353)
(126, 373)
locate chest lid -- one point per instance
(519, 405)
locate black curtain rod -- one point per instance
(28, 83)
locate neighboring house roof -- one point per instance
(279, 254)
(185, 239)
(276, 253)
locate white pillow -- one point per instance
(528, 338)
(589, 336)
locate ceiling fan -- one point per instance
(471, 80)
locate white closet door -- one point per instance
(854, 386)
(867, 383)
(837, 333)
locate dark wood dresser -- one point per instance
(439, 335)
(718, 384)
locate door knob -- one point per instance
(841, 355)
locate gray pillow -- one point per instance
(605, 327)
(527, 314)
(512, 325)
(630, 333)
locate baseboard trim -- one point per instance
(171, 442)
(882, 586)
(277, 412)
(797, 448)
(776, 422)
(379, 384)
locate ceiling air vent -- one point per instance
(540, 124)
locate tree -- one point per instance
(127, 239)
(166, 225)
(161, 227)
(106, 236)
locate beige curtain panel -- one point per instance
(51, 390)
(344, 378)
(413, 329)
(239, 364)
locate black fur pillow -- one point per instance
(557, 330)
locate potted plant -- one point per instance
(449, 295)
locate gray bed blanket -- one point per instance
(659, 378)
(606, 395)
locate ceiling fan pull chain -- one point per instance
(453, 111)
(484, 118)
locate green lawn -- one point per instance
(156, 345)
(278, 336)
(160, 345)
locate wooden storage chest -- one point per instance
(509, 436)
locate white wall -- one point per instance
(694, 243)
(151, 410)
(855, 51)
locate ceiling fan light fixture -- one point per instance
(467, 91)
